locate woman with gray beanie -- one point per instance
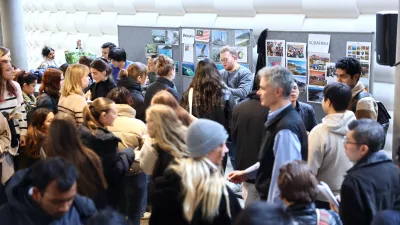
(193, 190)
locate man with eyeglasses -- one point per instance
(372, 184)
(235, 78)
(326, 156)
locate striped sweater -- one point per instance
(11, 102)
(72, 105)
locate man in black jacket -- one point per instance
(247, 130)
(45, 194)
(305, 110)
(372, 184)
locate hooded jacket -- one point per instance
(306, 214)
(366, 107)
(22, 210)
(160, 84)
(138, 97)
(326, 154)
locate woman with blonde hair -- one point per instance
(193, 190)
(72, 101)
(132, 79)
(165, 98)
(94, 134)
(166, 141)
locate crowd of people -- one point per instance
(110, 141)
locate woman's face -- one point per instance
(47, 122)
(6, 57)
(51, 55)
(142, 79)
(8, 71)
(29, 89)
(150, 127)
(97, 75)
(85, 81)
(108, 118)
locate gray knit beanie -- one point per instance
(204, 136)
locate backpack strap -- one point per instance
(357, 97)
(323, 217)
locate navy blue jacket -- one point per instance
(307, 115)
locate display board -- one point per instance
(338, 48)
(193, 45)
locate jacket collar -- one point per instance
(357, 89)
(129, 84)
(125, 110)
(275, 116)
(100, 133)
(372, 158)
(165, 81)
(301, 207)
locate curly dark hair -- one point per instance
(207, 89)
(351, 65)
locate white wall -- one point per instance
(59, 23)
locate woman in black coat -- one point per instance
(49, 91)
(101, 73)
(132, 79)
(94, 135)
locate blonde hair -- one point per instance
(170, 134)
(134, 71)
(229, 49)
(73, 79)
(203, 187)
(92, 113)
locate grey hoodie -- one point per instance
(326, 154)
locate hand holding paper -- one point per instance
(326, 191)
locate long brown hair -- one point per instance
(8, 85)
(92, 113)
(36, 133)
(164, 65)
(207, 90)
(63, 142)
(165, 98)
(51, 82)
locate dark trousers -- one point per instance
(134, 197)
(3, 196)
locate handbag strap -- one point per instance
(190, 100)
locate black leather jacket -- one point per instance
(305, 214)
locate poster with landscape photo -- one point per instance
(331, 75)
(219, 37)
(315, 94)
(298, 68)
(296, 50)
(301, 82)
(215, 55)
(242, 37)
(158, 36)
(317, 68)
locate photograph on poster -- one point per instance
(364, 69)
(275, 47)
(242, 54)
(317, 61)
(331, 75)
(219, 66)
(296, 50)
(274, 61)
(242, 37)
(165, 50)
(158, 36)
(188, 53)
(203, 35)
(317, 78)
(202, 51)
(188, 69)
(219, 37)
(172, 37)
(215, 55)
(151, 49)
(297, 67)
(315, 94)
(301, 82)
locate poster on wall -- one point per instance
(219, 37)
(158, 36)
(275, 52)
(319, 43)
(301, 82)
(316, 75)
(172, 37)
(202, 51)
(242, 37)
(187, 36)
(331, 75)
(188, 69)
(203, 35)
(362, 52)
(165, 50)
(215, 55)
(188, 53)
(242, 54)
(296, 51)
(150, 49)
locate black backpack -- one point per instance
(383, 115)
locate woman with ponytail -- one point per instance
(193, 190)
(101, 73)
(165, 68)
(95, 135)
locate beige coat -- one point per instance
(5, 150)
(130, 130)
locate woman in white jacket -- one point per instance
(326, 154)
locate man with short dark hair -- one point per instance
(305, 110)
(105, 50)
(372, 184)
(326, 156)
(285, 138)
(46, 193)
(118, 61)
(348, 72)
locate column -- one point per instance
(396, 113)
(12, 24)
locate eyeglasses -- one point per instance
(224, 60)
(345, 141)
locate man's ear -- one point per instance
(364, 150)
(356, 76)
(36, 195)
